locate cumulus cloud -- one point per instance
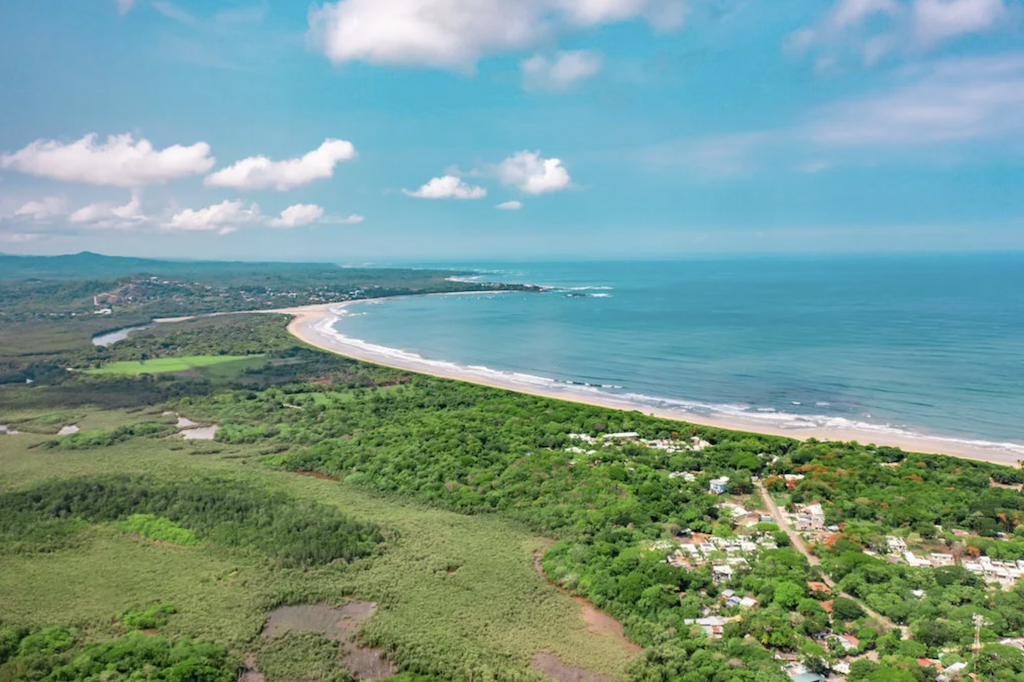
(259, 172)
(455, 34)
(298, 216)
(121, 161)
(108, 216)
(447, 187)
(871, 29)
(222, 218)
(44, 210)
(510, 206)
(534, 174)
(229, 216)
(560, 71)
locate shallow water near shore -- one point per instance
(893, 346)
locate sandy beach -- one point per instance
(313, 325)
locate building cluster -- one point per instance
(695, 444)
(740, 515)
(725, 555)
(1003, 573)
(808, 518)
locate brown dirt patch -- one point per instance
(340, 624)
(552, 666)
(598, 622)
(250, 673)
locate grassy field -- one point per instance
(164, 365)
(460, 590)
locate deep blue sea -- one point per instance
(931, 345)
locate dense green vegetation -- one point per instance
(301, 656)
(452, 592)
(55, 655)
(292, 531)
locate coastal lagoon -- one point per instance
(893, 346)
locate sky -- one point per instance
(417, 130)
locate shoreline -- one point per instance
(313, 325)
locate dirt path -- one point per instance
(797, 541)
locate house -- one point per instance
(721, 574)
(827, 605)
(718, 486)
(849, 642)
(749, 603)
(766, 518)
(940, 559)
(916, 561)
(819, 587)
(955, 668)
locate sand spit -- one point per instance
(313, 325)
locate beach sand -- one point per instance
(312, 324)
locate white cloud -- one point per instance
(871, 29)
(560, 72)
(510, 206)
(534, 174)
(259, 172)
(939, 20)
(953, 100)
(847, 13)
(713, 157)
(223, 218)
(173, 12)
(353, 219)
(455, 34)
(120, 161)
(40, 211)
(108, 216)
(447, 187)
(298, 216)
(125, 6)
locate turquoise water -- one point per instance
(918, 345)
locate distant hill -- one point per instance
(87, 265)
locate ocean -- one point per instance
(899, 345)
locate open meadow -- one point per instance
(455, 591)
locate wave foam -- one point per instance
(611, 394)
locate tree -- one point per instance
(788, 594)
(861, 671)
(845, 610)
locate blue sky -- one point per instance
(388, 130)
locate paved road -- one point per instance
(797, 541)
